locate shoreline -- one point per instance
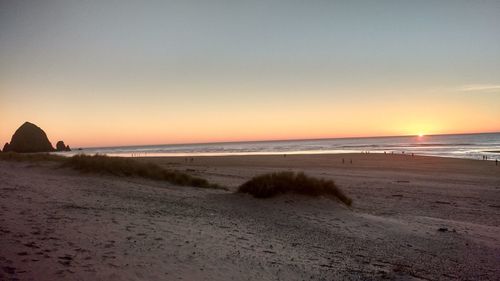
(257, 154)
(306, 154)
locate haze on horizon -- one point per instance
(105, 73)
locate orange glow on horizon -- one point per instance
(143, 131)
(161, 121)
(114, 138)
(120, 137)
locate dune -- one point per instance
(412, 218)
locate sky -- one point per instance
(110, 73)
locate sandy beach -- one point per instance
(412, 218)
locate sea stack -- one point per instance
(29, 138)
(60, 146)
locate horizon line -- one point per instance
(280, 140)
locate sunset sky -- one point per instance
(105, 73)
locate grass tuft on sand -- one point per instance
(122, 166)
(30, 157)
(117, 166)
(273, 184)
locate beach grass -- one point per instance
(116, 166)
(273, 184)
(31, 157)
(123, 166)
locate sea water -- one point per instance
(472, 146)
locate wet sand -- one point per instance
(413, 218)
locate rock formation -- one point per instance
(29, 138)
(60, 146)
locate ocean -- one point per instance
(472, 146)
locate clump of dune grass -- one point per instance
(117, 166)
(273, 184)
(30, 157)
(122, 166)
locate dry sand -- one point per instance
(413, 218)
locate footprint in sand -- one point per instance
(65, 260)
(9, 269)
(31, 245)
(109, 255)
(111, 243)
(81, 250)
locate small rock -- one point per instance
(60, 146)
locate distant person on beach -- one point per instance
(342, 160)
(496, 162)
